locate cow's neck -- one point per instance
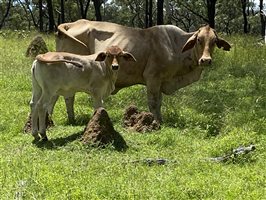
(110, 76)
(194, 57)
(189, 62)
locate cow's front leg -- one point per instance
(97, 98)
(154, 99)
(70, 108)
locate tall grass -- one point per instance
(224, 110)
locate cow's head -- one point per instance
(113, 55)
(203, 41)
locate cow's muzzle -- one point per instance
(115, 66)
(205, 61)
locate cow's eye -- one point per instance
(199, 40)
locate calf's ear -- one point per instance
(101, 56)
(222, 43)
(128, 57)
(190, 42)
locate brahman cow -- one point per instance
(168, 58)
(61, 73)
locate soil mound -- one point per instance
(28, 126)
(140, 121)
(36, 47)
(100, 131)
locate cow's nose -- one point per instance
(205, 61)
(115, 66)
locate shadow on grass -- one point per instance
(209, 111)
(119, 144)
(80, 120)
(58, 142)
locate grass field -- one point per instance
(224, 110)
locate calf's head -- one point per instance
(113, 55)
(203, 42)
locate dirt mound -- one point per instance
(100, 131)
(28, 126)
(140, 121)
(36, 47)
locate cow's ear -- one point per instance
(128, 57)
(190, 42)
(222, 43)
(101, 56)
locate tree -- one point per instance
(160, 11)
(40, 16)
(97, 7)
(51, 16)
(185, 15)
(6, 14)
(83, 6)
(244, 12)
(27, 8)
(168, 14)
(262, 19)
(62, 12)
(148, 13)
(211, 12)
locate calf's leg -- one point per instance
(34, 122)
(42, 107)
(36, 94)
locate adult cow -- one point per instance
(168, 58)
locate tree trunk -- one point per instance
(146, 13)
(83, 11)
(168, 13)
(40, 16)
(97, 7)
(26, 6)
(62, 15)
(160, 12)
(244, 7)
(211, 12)
(262, 20)
(6, 14)
(51, 16)
(150, 14)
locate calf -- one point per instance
(59, 73)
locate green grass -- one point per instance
(224, 110)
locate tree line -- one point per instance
(239, 16)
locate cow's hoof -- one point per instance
(36, 139)
(44, 139)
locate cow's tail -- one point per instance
(61, 29)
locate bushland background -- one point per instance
(240, 16)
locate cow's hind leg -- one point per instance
(34, 122)
(69, 101)
(43, 105)
(50, 110)
(36, 94)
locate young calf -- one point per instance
(59, 73)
